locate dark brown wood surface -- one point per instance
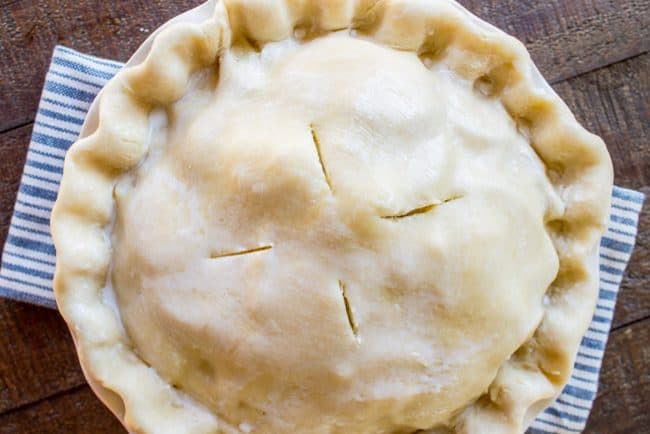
(595, 52)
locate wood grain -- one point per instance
(76, 411)
(37, 357)
(31, 29)
(565, 37)
(13, 149)
(622, 403)
(571, 37)
(613, 103)
(620, 408)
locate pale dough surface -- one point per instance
(330, 216)
(437, 300)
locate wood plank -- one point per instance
(622, 405)
(571, 37)
(634, 300)
(625, 381)
(31, 29)
(13, 149)
(75, 411)
(613, 103)
(566, 37)
(37, 358)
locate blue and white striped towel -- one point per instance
(73, 81)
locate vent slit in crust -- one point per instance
(316, 141)
(217, 255)
(421, 210)
(348, 309)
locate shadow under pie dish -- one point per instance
(330, 217)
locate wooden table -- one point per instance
(595, 52)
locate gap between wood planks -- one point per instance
(597, 68)
(79, 387)
(15, 127)
(54, 395)
(629, 324)
(553, 82)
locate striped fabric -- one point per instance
(71, 84)
(569, 412)
(73, 81)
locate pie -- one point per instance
(342, 217)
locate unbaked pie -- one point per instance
(341, 217)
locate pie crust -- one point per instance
(330, 217)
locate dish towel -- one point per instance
(28, 259)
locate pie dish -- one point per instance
(330, 217)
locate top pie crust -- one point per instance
(367, 217)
